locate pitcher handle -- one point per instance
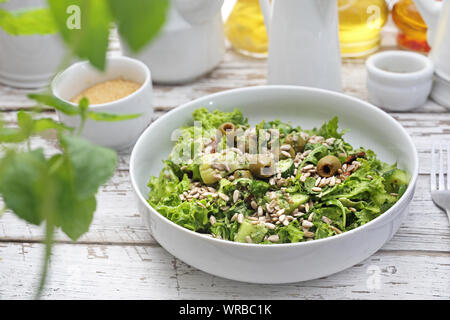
(266, 11)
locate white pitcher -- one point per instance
(303, 43)
(190, 44)
(28, 61)
(437, 17)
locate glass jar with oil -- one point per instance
(360, 23)
(413, 30)
(245, 29)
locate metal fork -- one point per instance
(440, 192)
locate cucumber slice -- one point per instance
(297, 200)
(393, 179)
(255, 232)
(286, 167)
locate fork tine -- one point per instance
(441, 168)
(433, 168)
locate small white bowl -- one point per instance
(281, 263)
(120, 135)
(399, 80)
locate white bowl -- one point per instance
(118, 135)
(280, 263)
(399, 80)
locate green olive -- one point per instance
(227, 128)
(262, 166)
(328, 166)
(242, 174)
(295, 140)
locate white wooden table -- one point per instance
(119, 259)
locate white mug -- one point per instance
(120, 135)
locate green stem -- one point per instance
(49, 229)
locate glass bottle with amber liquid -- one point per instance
(245, 29)
(360, 23)
(412, 29)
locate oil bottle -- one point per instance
(360, 23)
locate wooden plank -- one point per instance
(117, 221)
(149, 272)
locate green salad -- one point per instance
(272, 183)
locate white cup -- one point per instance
(120, 135)
(399, 80)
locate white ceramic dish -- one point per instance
(441, 91)
(29, 61)
(399, 80)
(117, 135)
(190, 45)
(281, 263)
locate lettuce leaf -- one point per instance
(215, 118)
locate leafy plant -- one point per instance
(60, 189)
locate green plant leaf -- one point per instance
(22, 177)
(71, 110)
(44, 124)
(138, 21)
(89, 40)
(58, 104)
(27, 22)
(25, 122)
(11, 135)
(109, 117)
(92, 165)
(73, 215)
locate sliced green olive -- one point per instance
(242, 174)
(227, 128)
(263, 166)
(328, 166)
(296, 141)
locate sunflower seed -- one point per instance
(274, 238)
(309, 234)
(260, 211)
(224, 196)
(318, 181)
(240, 218)
(326, 220)
(307, 224)
(286, 154)
(236, 195)
(212, 220)
(270, 226)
